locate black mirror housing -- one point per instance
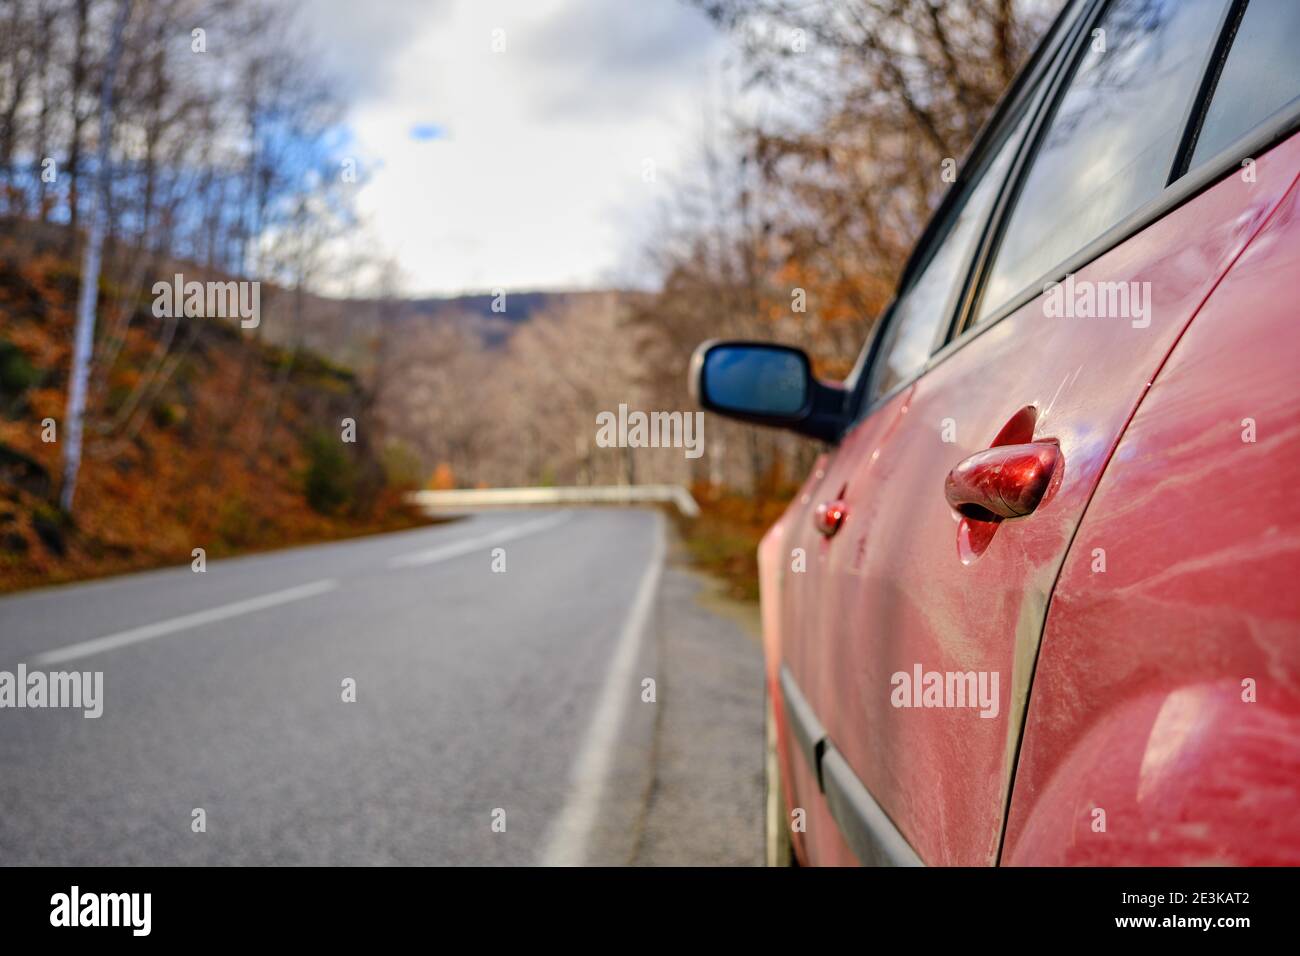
(767, 384)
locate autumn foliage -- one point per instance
(234, 450)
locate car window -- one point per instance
(929, 301)
(1261, 75)
(1111, 142)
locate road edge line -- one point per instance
(570, 831)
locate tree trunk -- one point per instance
(84, 337)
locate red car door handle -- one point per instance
(1006, 481)
(829, 516)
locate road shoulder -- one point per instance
(705, 797)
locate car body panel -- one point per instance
(1141, 745)
(891, 590)
(815, 836)
(795, 541)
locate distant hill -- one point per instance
(518, 306)
(346, 330)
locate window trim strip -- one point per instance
(1029, 90)
(1253, 144)
(1211, 70)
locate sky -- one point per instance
(520, 144)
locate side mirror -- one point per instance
(767, 384)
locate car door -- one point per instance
(797, 553)
(919, 319)
(795, 556)
(931, 617)
(1179, 741)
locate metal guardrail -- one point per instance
(595, 494)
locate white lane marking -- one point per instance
(569, 834)
(147, 633)
(458, 548)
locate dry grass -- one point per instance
(723, 541)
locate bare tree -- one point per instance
(84, 340)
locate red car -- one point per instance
(1039, 602)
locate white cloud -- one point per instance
(536, 178)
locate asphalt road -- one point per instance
(482, 698)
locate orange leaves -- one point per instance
(213, 457)
(443, 479)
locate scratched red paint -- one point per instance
(1135, 705)
(1138, 703)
